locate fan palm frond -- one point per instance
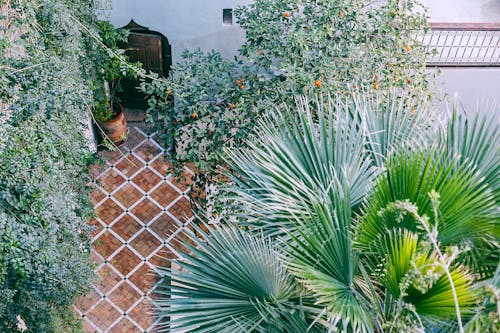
(474, 137)
(321, 256)
(291, 159)
(465, 209)
(231, 281)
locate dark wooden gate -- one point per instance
(153, 50)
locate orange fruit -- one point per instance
(242, 87)
(193, 115)
(169, 92)
(231, 106)
(237, 82)
(286, 14)
(375, 85)
(317, 83)
(407, 48)
(408, 80)
(341, 14)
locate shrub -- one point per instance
(44, 204)
(291, 47)
(383, 231)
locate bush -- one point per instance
(292, 47)
(44, 204)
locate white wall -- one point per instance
(186, 23)
(198, 23)
(471, 85)
(463, 10)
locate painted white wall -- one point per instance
(198, 23)
(186, 23)
(470, 85)
(463, 10)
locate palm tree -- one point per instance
(354, 215)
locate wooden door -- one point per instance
(153, 51)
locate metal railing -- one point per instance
(463, 44)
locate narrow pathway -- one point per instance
(140, 215)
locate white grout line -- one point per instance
(164, 240)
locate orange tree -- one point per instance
(298, 47)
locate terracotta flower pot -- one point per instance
(116, 128)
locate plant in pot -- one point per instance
(112, 67)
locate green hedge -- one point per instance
(44, 204)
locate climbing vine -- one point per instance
(45, 67)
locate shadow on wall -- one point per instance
(491, 9)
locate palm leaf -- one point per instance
(465, 209)
(231, 281)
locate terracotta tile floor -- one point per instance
(140, 213)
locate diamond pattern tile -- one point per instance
(145, 243)
(147, 151)
(110, 180)
(144, 278)
(129, 165)
(143, 314)
(146, 210)
(107, 244)
(107, 279)
(164, 226)
(125, 261)
(146, 179)
(100, 321)
(128, 245)
(181, 209)
(161, 165)
(164, 194)
(108, 211)
(126, 227)
(127, 195)
(125, 325)
(124, 296)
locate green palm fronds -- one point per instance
(232, 281)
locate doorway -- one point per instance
(153, 50)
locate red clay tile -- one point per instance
(97, 196)
(129, 165)
(110, 180)
(144, 278)
(145, 243)
(164, 194)
(164, 226)
(162, 165)
(103, 322)
(134, 137)
(97, 226)
(146, 179)
(124, 296)
(85, 302)
(162, 258)
(107, 279)
(127, 195)
(143, 314)
(112, 156)
(147, 151)
(108, 211)
(126, 227)
(107, 244)
(182, 210)
(146, 210)
(125, 261)
(125, 326)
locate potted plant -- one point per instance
(113, 67)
